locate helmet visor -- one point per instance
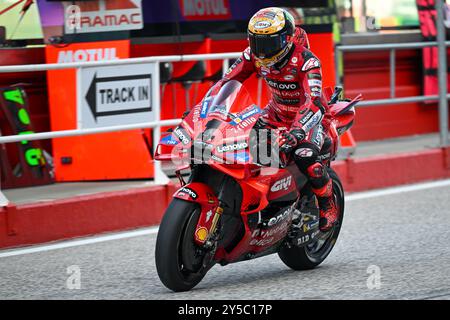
(266, 46)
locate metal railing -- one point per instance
(443, 95)
(159, 176)
(393, 48)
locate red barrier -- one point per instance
(391, 170)
(82, 216)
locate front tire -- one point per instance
(310, 256)
(179, 266)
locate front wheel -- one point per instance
(310, 256)
(179, 261)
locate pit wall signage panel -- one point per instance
(29, 166)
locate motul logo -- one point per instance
(205, 9)
(84, 55)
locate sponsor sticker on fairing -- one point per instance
(169, 141)
(276, 220)
(245, 116)
(240, 157)
(313, 122)
(282, 184)
(306, 118)
(182, 135)
(205, 108)
(219, 111)
(233, 66)
(247, 123)
(232, 147)
(185, 190)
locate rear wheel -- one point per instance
(310, 256)
(179, 261)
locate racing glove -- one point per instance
(289, 140)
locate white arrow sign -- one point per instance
(116, 95)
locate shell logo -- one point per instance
(201, 234)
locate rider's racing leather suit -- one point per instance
(296, 103)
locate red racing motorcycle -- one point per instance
(235, 207)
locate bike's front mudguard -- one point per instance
(204, 196)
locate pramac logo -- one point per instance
(102, 15)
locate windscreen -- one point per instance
(224, 101)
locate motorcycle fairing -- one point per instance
(203, 195)
(343, 114)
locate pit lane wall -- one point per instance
(117, 211)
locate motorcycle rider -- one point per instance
(279, 53)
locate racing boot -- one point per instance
(329, 214)
(322, 186)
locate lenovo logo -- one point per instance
(282, 85)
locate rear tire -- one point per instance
(306, 258)
(175, 252)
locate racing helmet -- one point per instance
(270, 34)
